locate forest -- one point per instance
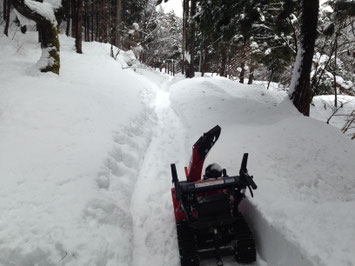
(241, 40)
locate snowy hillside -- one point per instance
(84, 163)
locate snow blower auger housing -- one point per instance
(208, 221)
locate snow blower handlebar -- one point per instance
(245, 177)
(175, 182)
(227, 182)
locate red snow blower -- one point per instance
(208, 221)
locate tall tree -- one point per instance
(78, 26)
(118, 23)
(47, 22)
(190, 71)
(7, 8)
(300, 89)
(183, 41)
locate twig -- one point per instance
(66, 254)
(350, 120)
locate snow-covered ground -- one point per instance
(70, 152)
(323, 109)
(84, 163)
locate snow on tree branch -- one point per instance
(45, 9)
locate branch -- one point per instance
(337, 109)
(37, 11)
(349, 122)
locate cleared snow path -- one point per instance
(154, 233)
(154, 241)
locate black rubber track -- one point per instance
(187, 245)
(245, 244)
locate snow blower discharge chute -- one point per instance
(208, 221)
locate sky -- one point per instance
(175, 5)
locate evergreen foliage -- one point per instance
(254, 39)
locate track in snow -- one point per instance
(154, 241)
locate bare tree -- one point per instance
(350, 123)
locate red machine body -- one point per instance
(208, 221)
(194, 173)
(199, 153)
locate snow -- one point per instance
(23, 20)
(46, 60)
(323, 108)
(45, 9)
(71, 147)
(172, 5)
(216, 166)
(85, 156)
(155, 235)
(254, 45)
(297, 68)
(304, 169)
(267, 51)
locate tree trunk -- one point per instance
(204, 56)
(113, 17)
(92, 20)
(184, 23)
(190, 73)
(222, 70)
(200, 60)
(86, 22)
(7, 8)
(103, 22)
(251, 74)
(74, 17)
(97, 32)
(271, 77)
(335, 70)
(242, 72)
(50, 60)
(78, 30)
(67, 9)
(300, 89)
(4, 8)
(118, 22)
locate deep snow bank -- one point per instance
(70, 150)
(304, 168)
